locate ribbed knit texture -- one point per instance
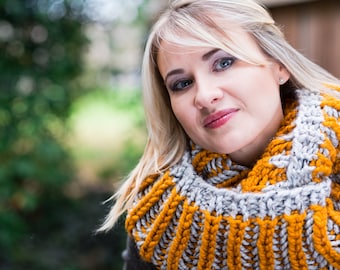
(207, 212)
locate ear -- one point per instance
(282, 74)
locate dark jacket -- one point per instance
(132, 259)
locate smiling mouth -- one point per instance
(218, 119)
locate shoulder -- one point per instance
(132, 260)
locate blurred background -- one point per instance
(71, 118)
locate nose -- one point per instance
(207, 94)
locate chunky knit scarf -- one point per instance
(207, 212)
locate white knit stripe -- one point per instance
(308, 245)
(280, 246)
(194, 243)
(163, 247)
(249, 250)
(225, 174)
(151, 215)
(332, 112)
(332, 226)
(220, 261)
(331, 135)
(138, 230)
(230, 203)
(157, 207)
(307, 139)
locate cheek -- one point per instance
(265, 91)
(179, 112)
(184, 113)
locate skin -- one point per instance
(225, 105)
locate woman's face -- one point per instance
(224, 104)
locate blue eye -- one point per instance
(180, 85)
(223, 63)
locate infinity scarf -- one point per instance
(206, 212)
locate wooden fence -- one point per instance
(314, 29)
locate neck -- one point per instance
(249, 155)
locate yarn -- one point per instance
(207, 212)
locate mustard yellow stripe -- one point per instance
(323, 167)
(207, 250)
(297, 256)
(233, 180)
(287, 125)
(332, 123)
(148, 181)
(258, 176)
(182, 236)
(202, 159)
(265, 243)
(160, 225)
(235, 238)
(148, 201)
(321, 242)
(332, 86)
(331, 102)
(336, 166)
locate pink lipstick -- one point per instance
(219, 118)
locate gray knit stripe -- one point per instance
(307, 139)
(195, 241)
(280, 246)
(221, 245)
(332, 226)
(230, 203)
(308, 245)
(249, 250)
(168, 236)
(225, 174)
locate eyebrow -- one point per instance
(173, 72)
(205, 57)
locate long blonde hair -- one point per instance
(203, 23)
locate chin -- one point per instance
(223, 150)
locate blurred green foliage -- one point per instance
(117, 118)
(40, 60)
(42, 44)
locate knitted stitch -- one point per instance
(207, 212)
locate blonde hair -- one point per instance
(203, 23)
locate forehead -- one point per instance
(167, 48)
(174, 56)
(238, 44)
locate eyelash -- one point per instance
(229, 60)
(178, 85)
(175, 86)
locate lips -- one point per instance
(219, 118)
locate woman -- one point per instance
(241, 167)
